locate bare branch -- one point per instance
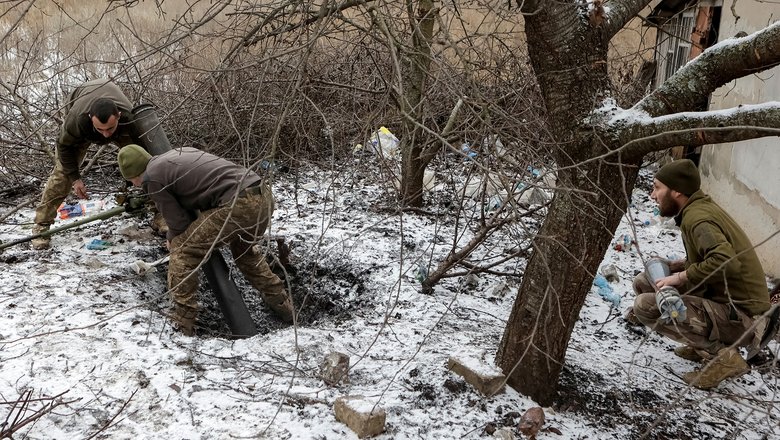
(621, 12)
(702, 128)
(716, 66)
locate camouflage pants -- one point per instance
(708, 325)
(239, 227)
(57, 188)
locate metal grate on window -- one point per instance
(674, 45)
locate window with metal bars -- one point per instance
(674, 45)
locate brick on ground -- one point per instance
(356, 412)
(485, 378)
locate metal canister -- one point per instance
(655, 269)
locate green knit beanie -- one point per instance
(132, 160)
(681, 176)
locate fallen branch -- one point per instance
(111, 420)
(14, 422)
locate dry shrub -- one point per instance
(226, 83)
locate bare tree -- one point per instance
(294, 81)
(600, 148)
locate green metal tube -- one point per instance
(100, 216)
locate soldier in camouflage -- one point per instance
(207, 202)
(721, 281)
(97, 113)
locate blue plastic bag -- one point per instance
(605, 290)
(98, 245)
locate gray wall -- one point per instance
(744, 177)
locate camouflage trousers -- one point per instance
(57, 188)
(709, 326)
(238, 226)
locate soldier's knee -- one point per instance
(646, 309)
(641, 284)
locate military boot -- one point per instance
(727, 364)
(630, 317)
(691, 354)
(184, 317)
(40, 243)
(283, 310)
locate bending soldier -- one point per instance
(97, 112)
(207, 202)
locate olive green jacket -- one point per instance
(77, 130)
(721, 263)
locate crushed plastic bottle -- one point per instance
(85, 208)
(494, 203)
(624, 243)
(468, 152)
(98, 245)
(605, 290)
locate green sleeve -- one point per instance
(717, 256)
(68, 144)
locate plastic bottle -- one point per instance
(84, 208)
(656, 218)
(468, 152)
(90, 207)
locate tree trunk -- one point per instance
(413, 162)
(567, 253)
(570, 62)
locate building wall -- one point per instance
(744, 177)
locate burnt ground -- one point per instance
(593, 396)
(321, 291)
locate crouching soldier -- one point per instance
(207, 202)
(715, 300)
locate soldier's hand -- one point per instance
(673, 280)
(80, 189)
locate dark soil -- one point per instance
(332, 291)
(643, 413)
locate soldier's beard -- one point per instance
(667, 207)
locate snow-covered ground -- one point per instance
(79, 324)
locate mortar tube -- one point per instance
(228, 297)
(148, 131)
(100, 216)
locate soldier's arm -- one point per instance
(717, 255)
(70, 141)
(176, 217)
